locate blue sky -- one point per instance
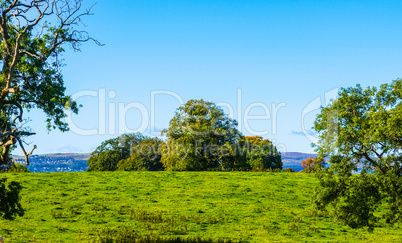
(270, 53)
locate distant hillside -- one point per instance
(78, 162)
(56, 162)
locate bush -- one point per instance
(289, 170)
(311, 164)
(10, 199)
(17, 168)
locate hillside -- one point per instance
(77, 162)
(247, 206)
(56, 162)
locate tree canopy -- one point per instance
(257, 154)
(361, 131)
(107, 155)
(144, 156)
(199, 135)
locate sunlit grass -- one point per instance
(254, 207)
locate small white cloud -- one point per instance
(300, 133)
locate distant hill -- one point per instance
(78, 162)
(60, 162)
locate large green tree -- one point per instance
(200, 136)
(33, 35)
(361, 131)
(31, 78)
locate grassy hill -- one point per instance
(252, 207)
(72, 162)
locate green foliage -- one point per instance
(289, 170)
(391, 191)
(200, 136)
(17, 168)
(349, 198)
(10, 199)
(275, 170)
(144, 156)
(112, 151)
(105, 161)
(257, 154)
(362, 127)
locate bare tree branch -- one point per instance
(23, 150)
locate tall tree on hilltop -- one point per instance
(199, 136)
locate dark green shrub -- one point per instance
(17, 168)
(10, 199)
(289, 170)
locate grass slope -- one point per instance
(254, 207)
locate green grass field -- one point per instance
(252, 207)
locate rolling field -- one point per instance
(251, 207)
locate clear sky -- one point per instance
(268, 59)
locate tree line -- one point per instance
(200, 137)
